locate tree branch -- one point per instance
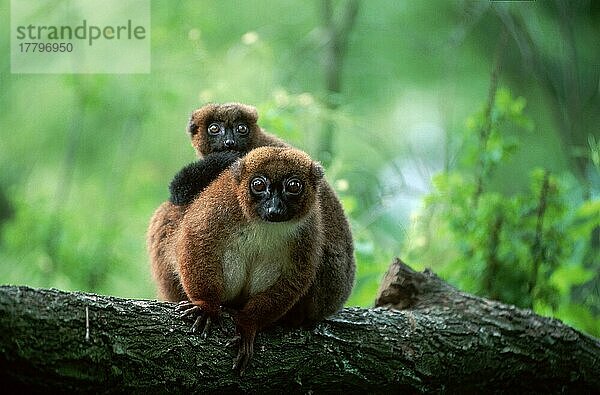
(442, 340)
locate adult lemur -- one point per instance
(221, 133)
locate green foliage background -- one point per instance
(434, 160)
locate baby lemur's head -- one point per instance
(223, 127)
(277, 184)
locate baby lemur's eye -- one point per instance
(293, 186)
(242, 129)
(214, 128)
(258, 185)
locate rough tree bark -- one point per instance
(440, 339)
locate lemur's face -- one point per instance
(223, 127)
(225, 135)
(277, 184)
(276, 199)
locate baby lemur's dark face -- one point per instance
(277, 184)
(223, 127)
(227, 135)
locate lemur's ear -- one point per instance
(192, 128)
(317, 170)
(252, 111)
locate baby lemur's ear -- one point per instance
(192, 128)
(317, 170)
(250, 111)
(236, 169)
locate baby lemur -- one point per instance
(219, 134)
(252, 241)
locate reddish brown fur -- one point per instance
(335, 278)
(163, 225)
(188, 246)
(335, 268)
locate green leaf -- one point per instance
(566, 277)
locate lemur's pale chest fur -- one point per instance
(255, 257)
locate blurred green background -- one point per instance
(460, 135)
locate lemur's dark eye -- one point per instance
(258, 185)
(242, 129)
(293, 186)
(214, 128)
